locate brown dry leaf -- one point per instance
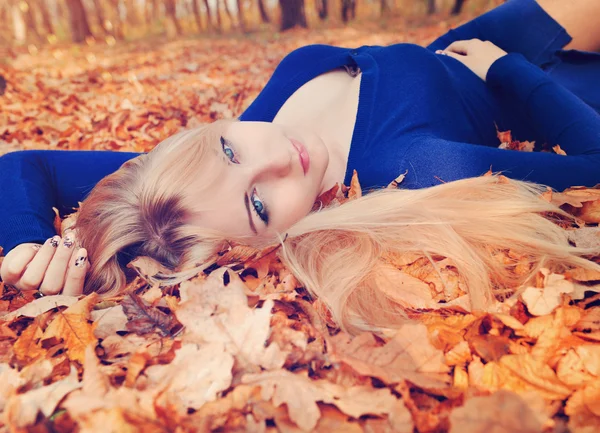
(583, 275)
(216, 309)
(589, 321)
(22, 409)
(572, 370)
(207, 368)
(396, 182)
(301, 395)
(408, 355)
(147, 267)
(109, 321)
(41, 305)
(582, 409)
(501, 412)
(74, 328)
(143, 318)
(330, 197)
(10, 381)
(27, 348)
(535, 375)
(355, 190)
(543, 301)
(507, 142)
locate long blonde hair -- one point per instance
(142, 209)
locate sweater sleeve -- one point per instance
(432, 160)
(556, 114)
(34, 181)
(520, 26)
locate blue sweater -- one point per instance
(418, 112)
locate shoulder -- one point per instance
(309, 54)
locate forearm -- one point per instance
(557, 115)
(520, 26)
(33, 182)
(580, 20)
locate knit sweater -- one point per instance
(421, 113)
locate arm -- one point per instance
(519, 26)
(556, 114)
(34, 181)
(431, 161)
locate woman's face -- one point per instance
(268, 177)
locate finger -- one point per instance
(458, 57)
(76, 274)
(36, 269)
(459, 47)
(13, 268)
(54, 279)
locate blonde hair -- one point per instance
(142, 210)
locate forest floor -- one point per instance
(246, 350)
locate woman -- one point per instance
(325, 112)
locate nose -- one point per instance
(274, 165)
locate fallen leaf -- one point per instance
(74, 328)
(501, 412)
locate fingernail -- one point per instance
(81, 259)
(55, 241)
(68, 242)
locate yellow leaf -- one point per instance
(536, 376)
(355, 190)
(543, 301)
(501, 412)
(74, 328)
(27, 347)
(408, 355)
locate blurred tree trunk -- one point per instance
(241, 21)
(228, 12)
(209, 23)
(80, 28)
(100, 16)
(430, 7)
(117, 25)
(264, 16)
(133, 16)
(171, 6)
(155, 9)
(218, 13)
(348, 10)
(26, 8)
(458, 4)
(292, 14)
(46, 18)
(322, 8)
(18, 24)
(384, 7)
(197, 14)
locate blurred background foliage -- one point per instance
(33, 23)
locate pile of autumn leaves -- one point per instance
(243, 349)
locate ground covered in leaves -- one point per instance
(243, 348)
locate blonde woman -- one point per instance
(326, 111)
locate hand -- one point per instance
(475, 54)
(52, 267)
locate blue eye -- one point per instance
(228, 151)
(259, 207)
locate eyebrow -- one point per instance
(246, 202)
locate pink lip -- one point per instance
(303, 153)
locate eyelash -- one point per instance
(264, 215)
